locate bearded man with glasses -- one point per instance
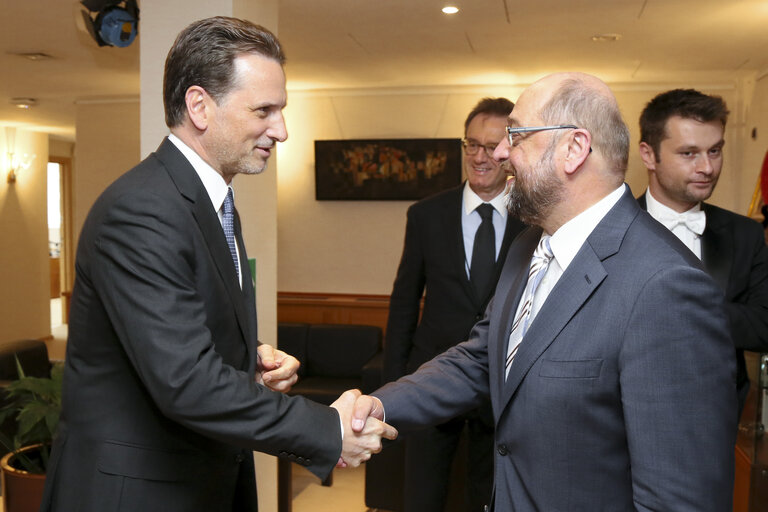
(605, 350)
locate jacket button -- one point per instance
(502, 449)
(478, 318)
(239, 458)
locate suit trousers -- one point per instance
(429, 454)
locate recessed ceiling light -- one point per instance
(606, 38)
(23, 103)
(450, 9)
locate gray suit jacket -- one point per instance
(618, 398)
(160, 407)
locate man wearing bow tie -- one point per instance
(681, 144)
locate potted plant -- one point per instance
(35, 404)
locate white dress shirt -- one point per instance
(681, 231)
(470, 221)
(567, 241)
(213, 182)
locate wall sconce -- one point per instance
(16, 162)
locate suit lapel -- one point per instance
(716, 245)
(189, 185)
(457, 254)
(579, 281)
(716, 248)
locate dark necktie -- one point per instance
(483, 253)
(228, 223)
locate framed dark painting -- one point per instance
(385, 169)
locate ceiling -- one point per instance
(406, 43)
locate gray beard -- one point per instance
(532, 199)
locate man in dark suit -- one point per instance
(609, 369)
(166, 387)
(681, 144)
(439, 255)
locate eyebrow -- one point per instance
(695, 147)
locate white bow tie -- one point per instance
(695, 221)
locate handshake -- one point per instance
(362, 419)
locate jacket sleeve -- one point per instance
(405, 301)
(677, 384)
(146, 261)
(748, 312)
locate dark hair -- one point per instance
(492, 106)
(574, 102)
(203, 55)
(686, 103)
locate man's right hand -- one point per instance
(360, 443)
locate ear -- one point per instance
(579, 148)
(198, 102)
(648, 156)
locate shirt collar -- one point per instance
(658, 210)
(567, 240)
(472, 201)
(214, 184)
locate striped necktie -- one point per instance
(228, 223)
(539, 264)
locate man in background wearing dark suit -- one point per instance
(456, 255)
(681, 144)
(166, 386)
(605, 349)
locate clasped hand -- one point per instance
(361, 416)
(276, 369)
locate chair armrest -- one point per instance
(372, 373)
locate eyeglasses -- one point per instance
(471, 147)
(526, 129)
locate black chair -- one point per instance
(334, 358)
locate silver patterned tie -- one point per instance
(228, 223)
(539, 264)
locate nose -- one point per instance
(705, 166)
(277, 130)
(481, 155)
(501, 153)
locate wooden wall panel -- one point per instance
(333, 308)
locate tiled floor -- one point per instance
(345, 495)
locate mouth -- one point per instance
(264, 151)
(482, 170)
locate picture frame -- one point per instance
(385, 169)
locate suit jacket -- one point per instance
(734, 253)
(621, 394)
(160, 407)
(433, 258)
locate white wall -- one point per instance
(355, 246)
(24, 269)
